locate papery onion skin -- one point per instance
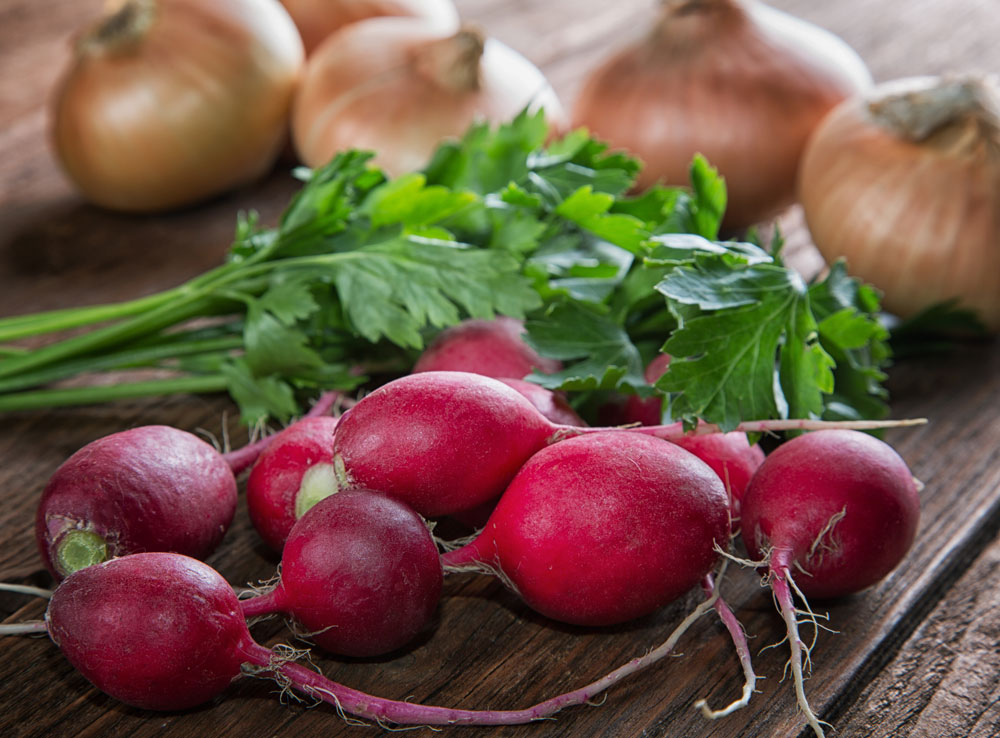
(739, 82)
(382, 85)
(189, 106)
(920, 220)
(317, 19)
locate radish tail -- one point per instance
(739, 637)
(347, 701)
(27, 590)
(780, 577)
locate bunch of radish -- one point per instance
(589, 525)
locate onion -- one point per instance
(167, 102)
(398, 86)
(317, 19)
(905, 185)
(739, 82)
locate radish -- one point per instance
(840, 508)
(441, 442)
(291, 475)
(493, 348)
(448, 442)
(604, 528)
(151, 488)
(552, 405)
(162, 631)
(731, 455)
(360, 571)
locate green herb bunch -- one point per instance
(362, 270)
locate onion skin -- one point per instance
(398, 87)
(188, 103)
(739, 82)
(317, 19)
(920, 220)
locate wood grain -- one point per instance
(915, 655)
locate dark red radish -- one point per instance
(360, 572)
(151, 488)
(604, 528)
(448, 442)
(157, 631)
(493, 348)
(291, 475)
(161, 631)
(839, 509)
(552, 405)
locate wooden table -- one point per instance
(916, 655)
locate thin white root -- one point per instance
(26, 589)
(796, 647)
(26, 628)
(743, 562)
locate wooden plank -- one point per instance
(485, 648)
(943, 682)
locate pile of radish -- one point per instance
(590, 526)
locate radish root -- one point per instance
(781, 586)
(26, 628)
(738, 635)
(27, 590)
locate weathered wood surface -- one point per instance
(915, 656)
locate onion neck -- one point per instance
(957, 114)
(453, 62)
(684, 26)
(121, 28)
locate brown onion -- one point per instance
(167, 102)
(905, 186)
(317, 19)
(737, 81)
(399, 86)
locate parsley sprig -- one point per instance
(362, 270)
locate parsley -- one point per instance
(362, 270)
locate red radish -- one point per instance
(493, 348)
(162, 631)
(838, 507)
(291, 475)
(604, 528)
(441, 442)
(729, 454)
(151, 488)
(552, 405)
(360, 572)
(448, 442)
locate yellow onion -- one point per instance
(904, 184)
(317, 19)
(399, 86)
(167, 102)
(737, 81)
